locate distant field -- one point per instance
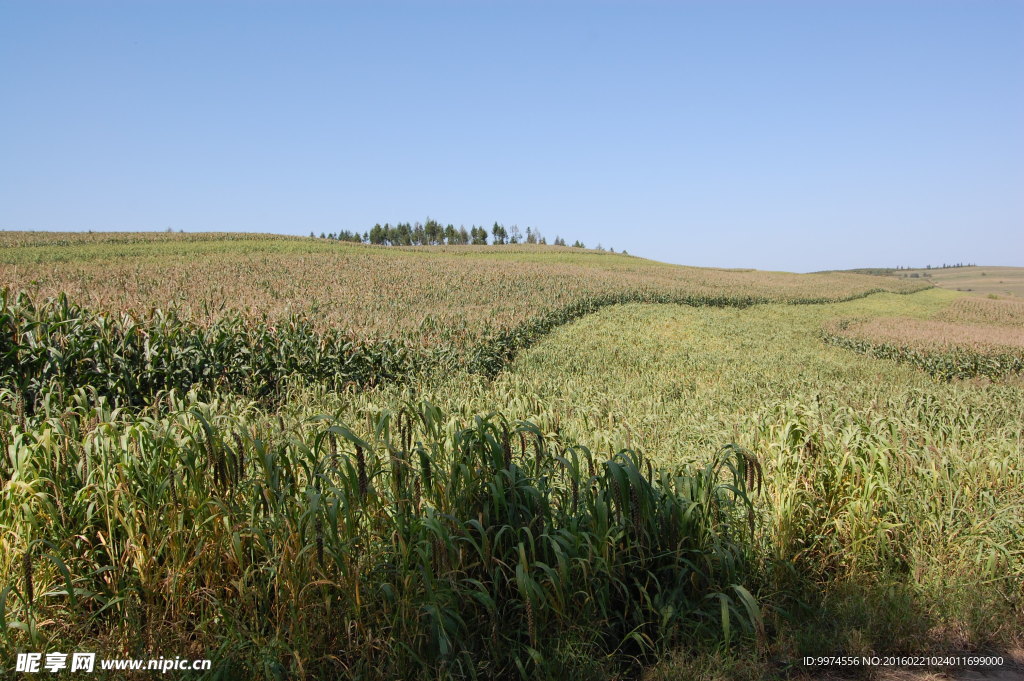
(430, 292)
(1000, 281)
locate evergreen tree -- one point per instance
(499, 233)
(403, 234)
(433, 232)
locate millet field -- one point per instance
(309, 459)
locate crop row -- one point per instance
(50, 350)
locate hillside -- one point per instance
(377, 291)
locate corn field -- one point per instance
(428, 296)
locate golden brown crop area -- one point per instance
(937, 334)
(984, 325)
(431, 292)
(974, 310)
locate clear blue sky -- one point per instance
(778, 135)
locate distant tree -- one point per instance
(433, 232)
(403, 234)
(578, 244)
(463, 235)
(499, 233)
(531, 236)
(450, 235)
(419, 235)
(515, 236)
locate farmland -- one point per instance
(431, 294)
(979, 281)
(322, 459)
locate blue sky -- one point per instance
(777, 135)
